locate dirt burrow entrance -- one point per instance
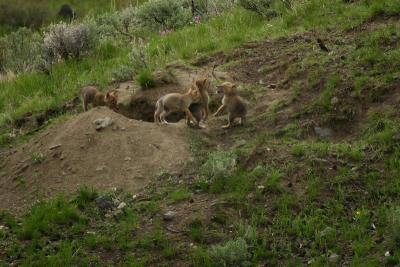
(126, 154)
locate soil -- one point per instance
(126, 154)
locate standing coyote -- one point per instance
(175, 102)
(234, 104)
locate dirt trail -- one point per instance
(125, 155)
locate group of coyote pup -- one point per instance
(194, 103)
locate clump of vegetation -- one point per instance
(233, 253)
(64, 41)
(162, 15)
(146, 79)
(46, 218)
(266, 8)
(38, 158)
(19, 51)
(219, 165)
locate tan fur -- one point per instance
(233, 103)
(111, 100)
(90, 95)
(175, 102)
(200, 110)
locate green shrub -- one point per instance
(46, 217)
(164, 14)
(233, 253)
(146, 80)
(394, 227)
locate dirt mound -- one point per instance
(126, 154)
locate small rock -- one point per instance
(121, 205)
(272, 86)
(3, 227)
(334, 100)
(373, 227)
(100, 168)
(323, 133)
(103, 123)
(55, 146)
(134, 197)
(334, 258)
(169, 215)
(310, 261)
(387, 254)
(104, 203)
(127, 158)
(90, 233)
(261, 187)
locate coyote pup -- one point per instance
(90, 95)
(175, 102)
(234, 104)
(200, 110)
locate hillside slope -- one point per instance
(312, 179)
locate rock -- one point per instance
(334, 100)
(104, 203)
(387, 254)
(127, 158)
(55, 146)
(103, 123)
(334, 258)
(169, 215)
(323, 133)
(240, 143)
(260, 187)
(134, 197)
(100, 168)
(121, 205)
(310, 261)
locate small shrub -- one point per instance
(45, 219)
(37, 158)
(19, 51)
(124, 23)
(219, 165)
(233, 253)
(394, 227)
(146, 80)
(179, 195)
(162, 15)
(266, 8)
(298, 150)
(64, 41)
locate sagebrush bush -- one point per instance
(219, 165)
(233, 253)
(266, 8)
(161, 15)
(19, 51)
(123, 24)
(209, 7)
(63, 41)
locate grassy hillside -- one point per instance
(312, 179)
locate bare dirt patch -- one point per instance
(126, 154)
